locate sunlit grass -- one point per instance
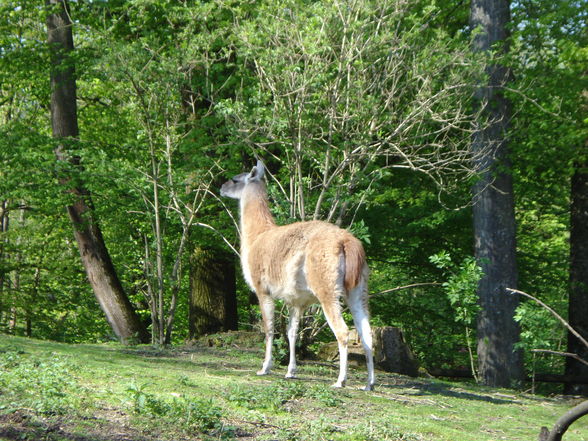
(213, 393)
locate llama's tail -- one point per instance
(354, 261)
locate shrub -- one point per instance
(45, 385)
(191, 414)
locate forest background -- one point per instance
(364, 113)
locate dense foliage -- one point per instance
(362, 112)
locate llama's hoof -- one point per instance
(368, 388)
(338, 385)
(263, 372)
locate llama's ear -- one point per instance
(257, 172)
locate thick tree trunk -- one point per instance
(213, 301)
(494, 222)
(578, 302)
(95, 257)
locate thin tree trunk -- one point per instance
(158, 252)
(148, 273)
(578, 301)
(176, 284)
(213, 301)
(16, 285)
(3, 229)
(95, 257)
(494, 221)
(29, 308)
(13, 320)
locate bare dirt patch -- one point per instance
(21, 425)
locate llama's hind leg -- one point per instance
(295, 313)
(333, 315)
(266, 304)
(357, 303)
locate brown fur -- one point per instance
(354, 262)
(256, 214)
(301, 263)
(319, 244)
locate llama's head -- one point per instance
(235, 186)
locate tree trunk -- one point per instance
(213, 300)
(578, 302)
(29, 314)
(3, 229)
(16, 273)
(95, 257)
(494, 222)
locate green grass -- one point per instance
(51, 391)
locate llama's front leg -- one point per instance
(295, 313)
(267, 314)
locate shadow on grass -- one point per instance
(433, 388)
(219, 360)
(402, 384)
(193, 358)
(448, 391)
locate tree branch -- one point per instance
(562, 424)
(555, 314)
(565, 354)
(413, 285)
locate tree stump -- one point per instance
(391, 353)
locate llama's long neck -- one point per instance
(256, 217)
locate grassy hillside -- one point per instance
(51, 391)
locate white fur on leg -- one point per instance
(369, 358)
(343, 351)
(365, 334)
(267, 362)
(362, 324)
(268, 317)
(295, 314)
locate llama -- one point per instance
(301, 263)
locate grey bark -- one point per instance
(494, 221)
(578, 300)
(392, 354)
(95, 257)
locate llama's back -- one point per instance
(306, 256)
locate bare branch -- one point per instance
(225, 240)
(413, 285)
(564, 354)
(354, 106)
(555, 314)
(536, 104)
